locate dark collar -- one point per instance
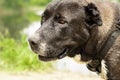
(95, 63)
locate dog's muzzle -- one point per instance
(40, 49)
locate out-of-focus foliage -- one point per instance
(39, 2)
(17, 14)
(16, 56)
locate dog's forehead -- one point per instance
(65, 7)
(64, 3)
(53, 4)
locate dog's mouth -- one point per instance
(59, 56)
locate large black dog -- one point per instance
(79, 27)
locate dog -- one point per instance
(79, 27)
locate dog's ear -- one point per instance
(93, 17)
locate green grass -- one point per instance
(31, 16)
(17, 56)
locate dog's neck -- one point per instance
(93, 45)
(99, 34)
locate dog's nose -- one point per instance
(32, 42)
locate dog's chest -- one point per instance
(113, 61)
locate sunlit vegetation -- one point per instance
(15, 54)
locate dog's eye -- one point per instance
(62, 21)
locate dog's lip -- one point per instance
(60, 56)
(44, 58)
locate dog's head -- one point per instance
(65, 26)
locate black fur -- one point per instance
(93, 15)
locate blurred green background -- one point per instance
(15, 15)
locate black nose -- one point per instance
(33, 43)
